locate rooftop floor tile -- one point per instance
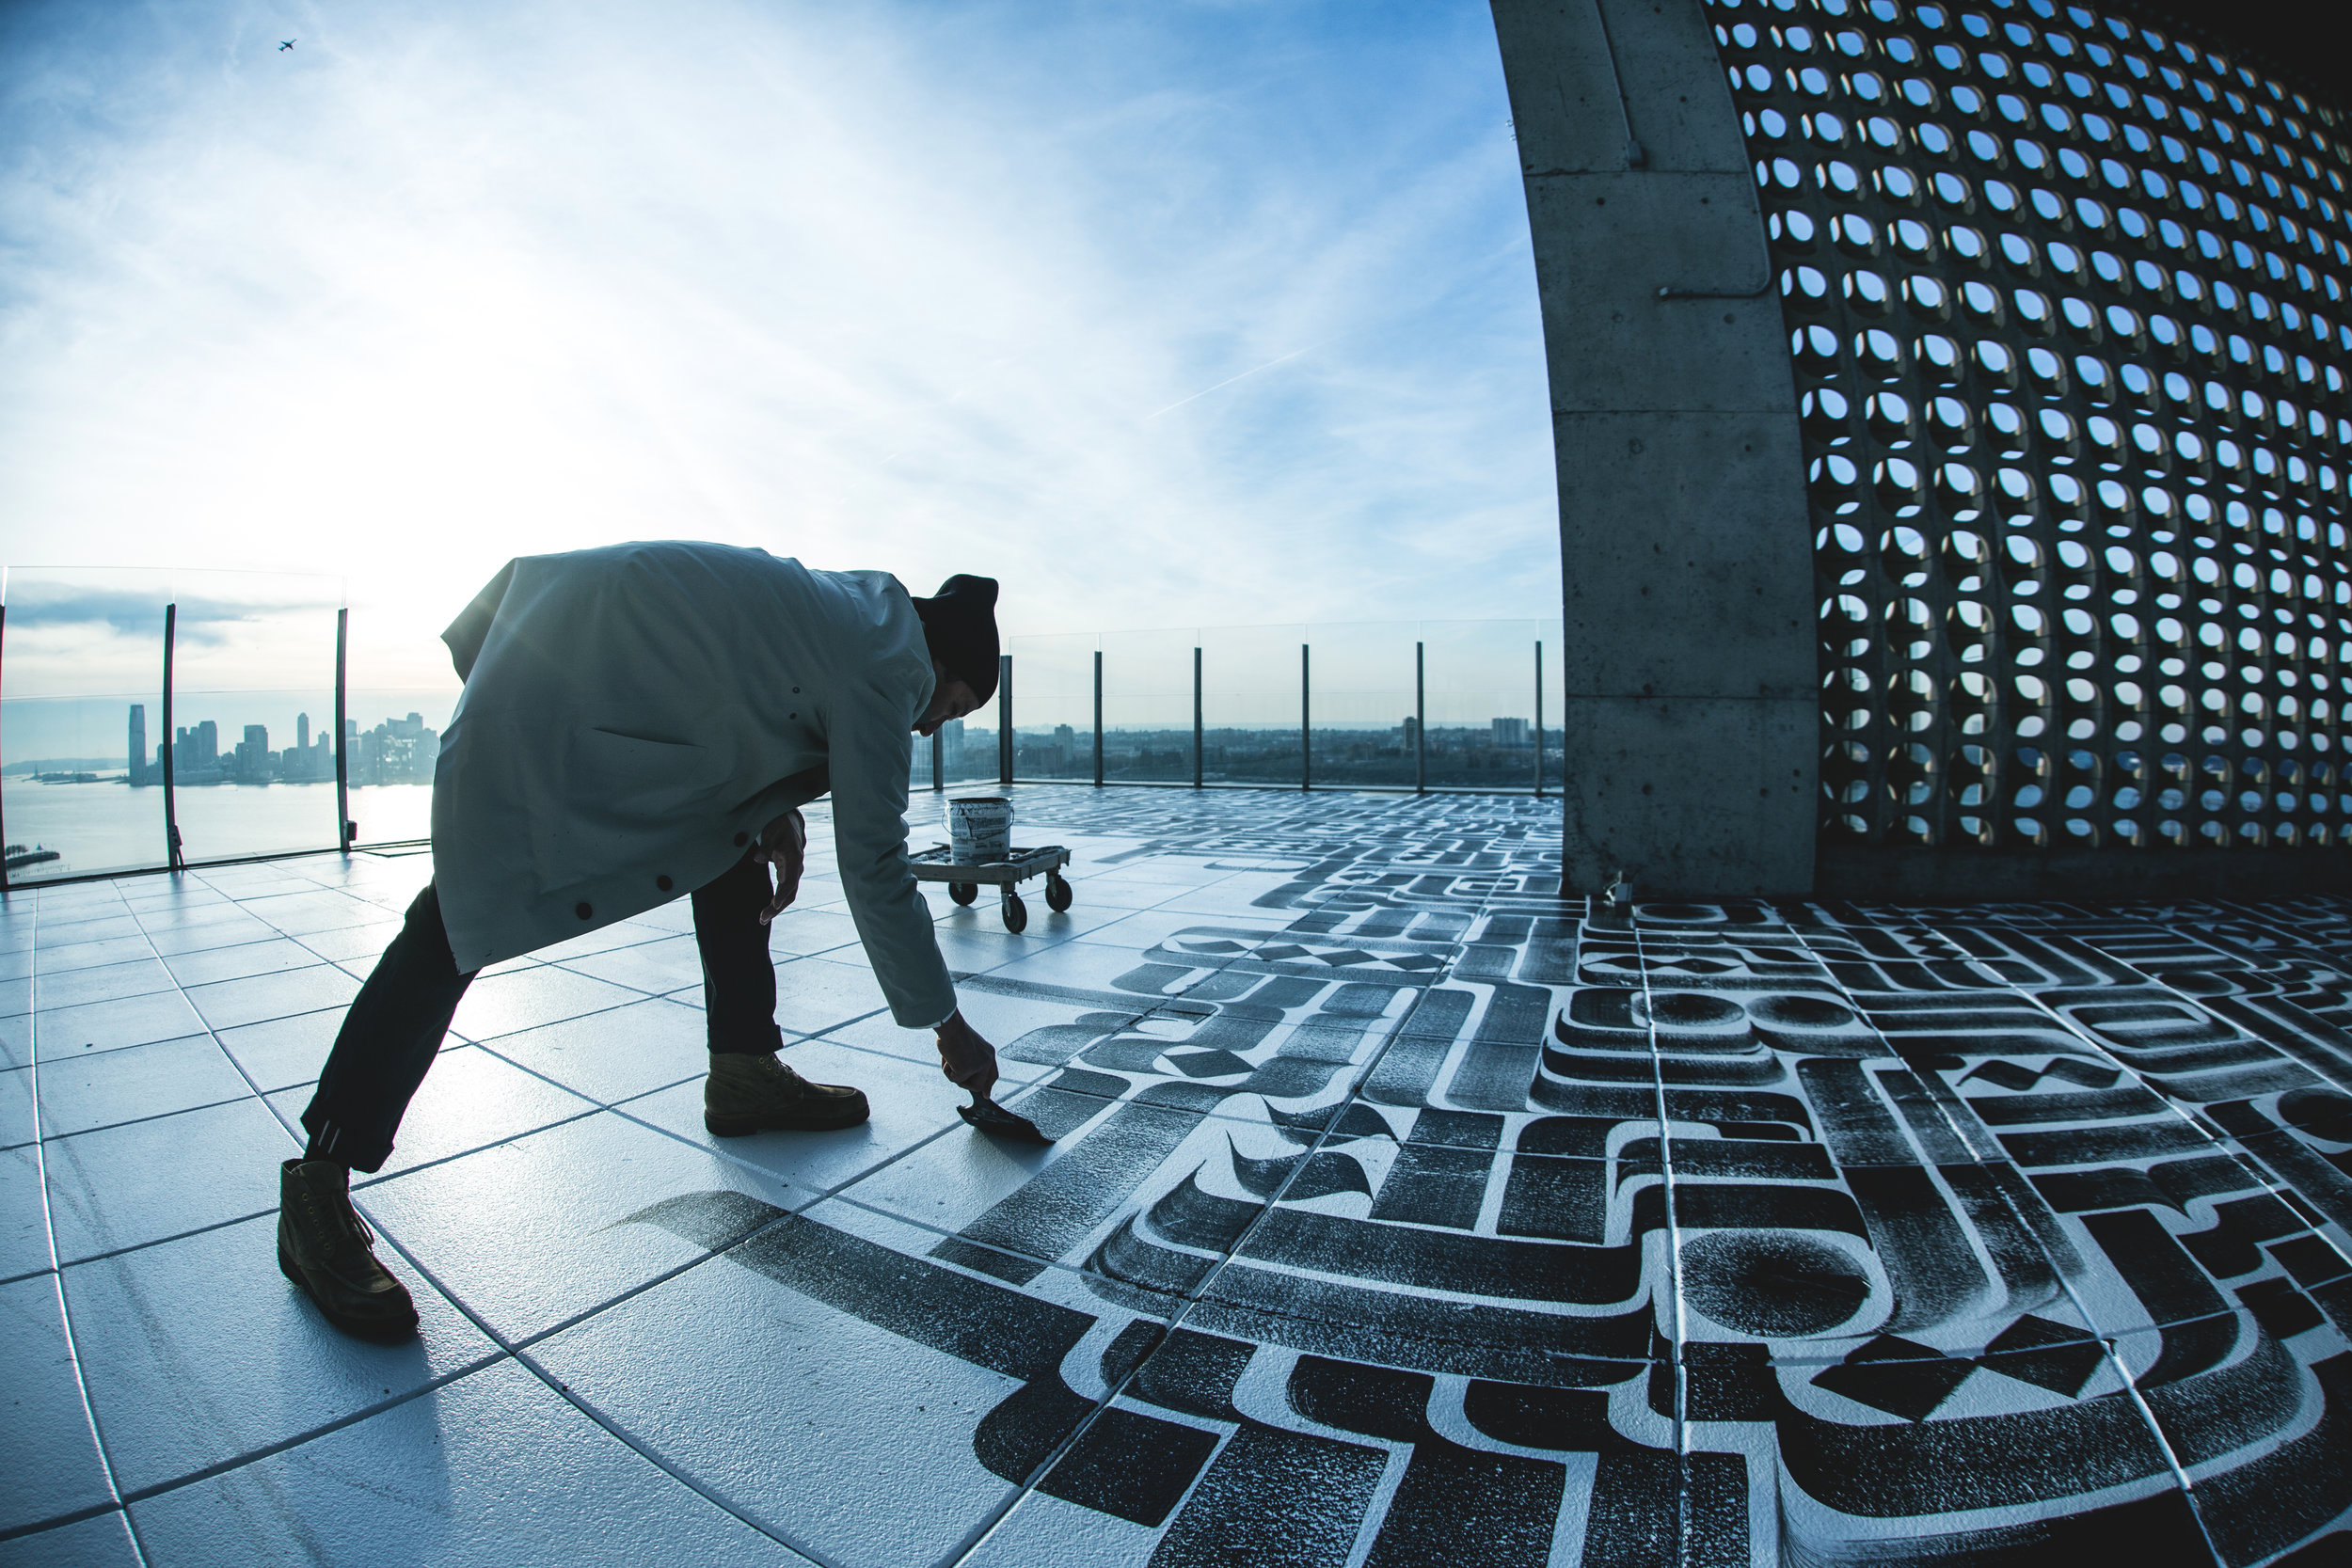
(1400, 1210)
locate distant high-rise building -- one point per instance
(196, 750)
(138, 743)
(302, 732)
(1411, 732)
(1511, 734)
(251, 758)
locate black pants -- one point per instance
(395, 1025)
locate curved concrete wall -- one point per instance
(1689, 656)
(2049, 527)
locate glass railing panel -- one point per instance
(1249, 700)
(253, 706)
(1147, 706)
(1362, 705)
(968, 749)
(1052, 706)
(1481, 685)
(81, 709)
(919, 766)
(84, 651)
(1555, 707)
(393, 740)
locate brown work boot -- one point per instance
(755, 1092)
(327, 1249)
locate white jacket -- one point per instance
(633, 716)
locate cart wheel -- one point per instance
(1016, 915)
(1056, 892)
(963, 893)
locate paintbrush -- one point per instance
(984, 1115)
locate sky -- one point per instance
(1167, 314)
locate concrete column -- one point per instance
(1689, 665)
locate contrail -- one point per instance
(1230, 380)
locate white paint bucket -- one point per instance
(979, 828)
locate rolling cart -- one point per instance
(963, 881)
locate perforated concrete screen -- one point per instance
(2066, 297)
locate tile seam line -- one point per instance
(2251, 954)
(127, 1248)
(373, 1179)
(57, 1275)
(2226, 1147)
(1673, 1245)
(213, 1035)
(1976, 1157)
(2224, 1144)
(378, 1178)
(1192, 1297)
(326, 1429)
(821, 1194)
(152, 1116)
(2181, 1477)
(563, 965)
(2230, 948)
(483, 1327)
(61, 1521)
(742, 1515)
(620, 1108)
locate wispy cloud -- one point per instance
(1164, 315)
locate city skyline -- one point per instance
(1500, 754)
(396, 750)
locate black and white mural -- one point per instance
(1410, 1214)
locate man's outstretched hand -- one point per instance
(782, 844)
(969, 1061)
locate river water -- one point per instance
(110, 826)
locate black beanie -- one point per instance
(960, 626)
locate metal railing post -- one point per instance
(1196, 717)
(345, 829)
(1306, 729)
(1098, 718)
(1003, 718)
(1421, 720)
(939, 754)
(1539, 718)
(171, 744)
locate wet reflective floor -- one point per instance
(1401, 1212)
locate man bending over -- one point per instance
(640, 722)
